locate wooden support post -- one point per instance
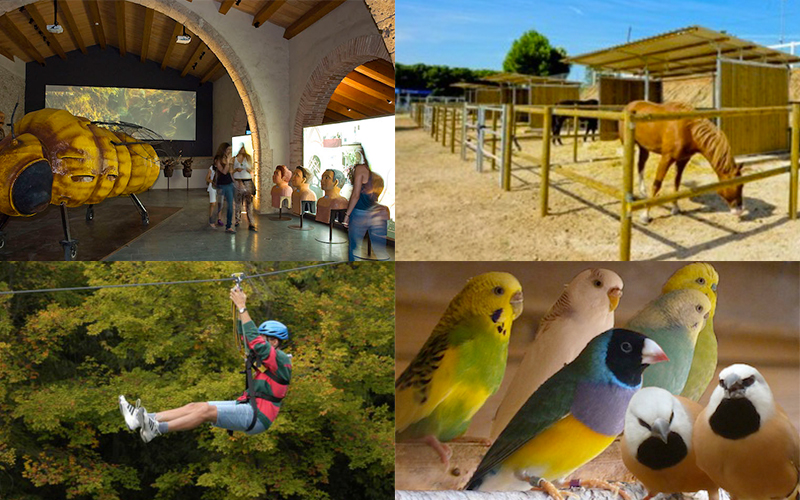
(444, 126)
(435, 123)
(464, 118)
(508, 127)
(453, 132)
(627, 187)
(575, 125)
(795, 158)
(494, 140)
(547, 122)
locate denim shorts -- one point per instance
(236, 417)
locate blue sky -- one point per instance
(478, 33)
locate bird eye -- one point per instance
(701, 281)
(598, 283)
(626, 347)
(498, 290)
(721, 383)
(748, 381)
(699, 308)
(671, 416)
(644, 424)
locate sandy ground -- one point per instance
(448, 211)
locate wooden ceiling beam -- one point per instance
(19, 39)
(225, 6)
(344, 110)
(195, 57)
(357, 95)
(317, 12)
(8, 55)
(357, 105)
(267, 11)
(97, 23)
(39, 20)
(369, 86)
(175, 32)
(378, 70)
(216, 67)
(121, 38)
(334, 117)
(72, 25)
(148, 28)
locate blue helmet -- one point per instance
(275, 329)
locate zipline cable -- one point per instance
(158, 283)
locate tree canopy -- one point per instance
(66, 356)
(437, 78)
(532, 54)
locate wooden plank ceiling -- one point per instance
(366, 92)
(136, 29)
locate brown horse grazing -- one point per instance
(677, 141)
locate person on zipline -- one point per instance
(254, 411)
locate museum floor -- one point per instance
(187, 236)
(179, 231)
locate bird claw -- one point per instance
(604, 485)
(441, 449)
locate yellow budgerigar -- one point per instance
(460, 365)
(703, 277)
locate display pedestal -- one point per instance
(370, 255)
(305, 206)
(280, 209)
(334, 215)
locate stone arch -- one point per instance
(237, 70)
(323, 81)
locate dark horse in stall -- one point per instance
(677, 141)
(590, 123)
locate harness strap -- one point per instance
(250, 389)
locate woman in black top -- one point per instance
(222, 162)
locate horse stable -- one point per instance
(745, 74)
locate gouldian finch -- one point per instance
(745, 442)
(703, 277)
(571, 418)
(673, 320)
(657, 444)
(461, 364)
(584, 310)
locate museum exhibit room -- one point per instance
(205, 130)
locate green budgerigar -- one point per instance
(460, 365)
(673, 320)
(703, 277)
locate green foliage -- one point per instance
(437, 78)
(65, 357)
(531, 54)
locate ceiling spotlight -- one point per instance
(55, 28)
(184, 38)
(348, 109)
(389, 101)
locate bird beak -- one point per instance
(516, 304)
(652, 353)
(660, 429)
(733, 386)
(613, 298)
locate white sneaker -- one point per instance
(129, 412)
(149, 426)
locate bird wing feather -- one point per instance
(549, 404)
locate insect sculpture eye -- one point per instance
(626, 347)
(644, 424)
(498, 290)
(701, 281)
(598, 283)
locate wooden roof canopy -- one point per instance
(687, 51)
(521, 80)
(130, 27)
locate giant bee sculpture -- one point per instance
(53, 157)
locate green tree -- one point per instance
(438, 79)
(532, 54)
(65, 356)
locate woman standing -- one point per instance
(245, 189)
(222, 161)
(363, 213)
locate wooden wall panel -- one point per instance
(621, 91)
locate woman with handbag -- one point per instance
(245, 189)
